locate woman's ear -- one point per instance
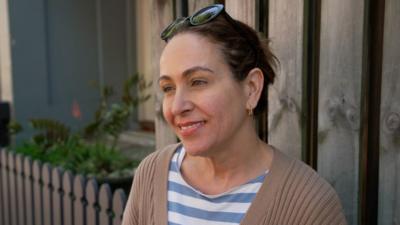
(254, 85)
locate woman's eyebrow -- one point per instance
(187, 73)
(194, 69)
(163, 77)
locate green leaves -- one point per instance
(75, 155)
(112, 119)
(14, 127)
(88, 151)
(50, 132)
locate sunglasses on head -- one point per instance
(200, 17)
(203, 16)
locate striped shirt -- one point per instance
(186, 205)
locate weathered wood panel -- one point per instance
(161, 17)
(244, 10)
(389, 177)
(152, 17)
(339, 98)
(144, 49)
(285, 95)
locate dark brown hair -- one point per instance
(242, 49)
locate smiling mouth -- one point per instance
(187, 129)
(191, 125)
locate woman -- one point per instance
(214, 73)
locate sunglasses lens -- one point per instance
(171, 29)
(206, 14)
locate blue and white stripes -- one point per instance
(189, 206)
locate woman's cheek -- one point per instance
(166, 111)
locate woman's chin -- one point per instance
(195, 149)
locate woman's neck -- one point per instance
(235, 164)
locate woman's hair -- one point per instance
(242, 49)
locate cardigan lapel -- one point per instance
(263, 202)
(160, 201)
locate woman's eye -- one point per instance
(167, 89)
(198, 82)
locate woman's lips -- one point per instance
(189, 128)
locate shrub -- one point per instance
(87, 151)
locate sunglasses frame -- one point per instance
(176, 24)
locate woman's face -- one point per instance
(203, 103)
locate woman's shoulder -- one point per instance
(308, 191)
(291, 168)
(294, 172)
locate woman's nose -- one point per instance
(181, 103)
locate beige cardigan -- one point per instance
(292, 193)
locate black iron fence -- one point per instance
(36, 194)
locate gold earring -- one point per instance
(250, 111)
